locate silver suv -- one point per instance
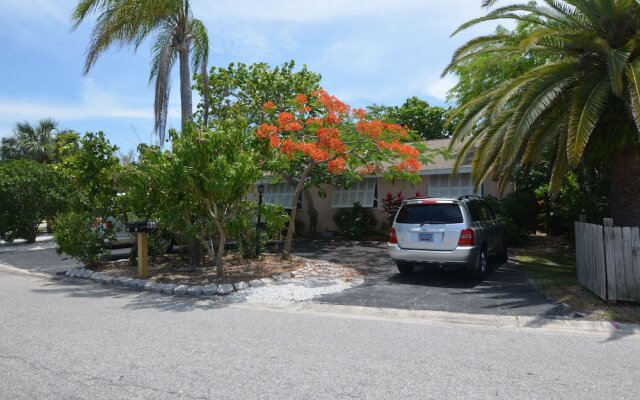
(447, 233)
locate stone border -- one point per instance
(180, 290)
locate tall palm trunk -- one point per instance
(625, 187)
(186, 108)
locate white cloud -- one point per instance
(95, 103)
(438, 87)
(310, 11)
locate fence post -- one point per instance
(609, 264)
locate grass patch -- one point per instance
(550, 263)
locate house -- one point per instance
(435, 180)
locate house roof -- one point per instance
(440, 164)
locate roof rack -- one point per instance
(469, 196)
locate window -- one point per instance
(281, 193)
(450, 186)
(478, 211)
(431, 213)
(363, 192)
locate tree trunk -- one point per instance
(625, 187)
(185, 86)
(222, 239)
(195, 254)
(313, 213)
(286, 252)
(311, 208)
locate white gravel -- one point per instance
(296, 290)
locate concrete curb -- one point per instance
(490, 321)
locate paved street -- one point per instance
(506, 291)
(77, 340)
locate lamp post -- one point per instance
(260, 192)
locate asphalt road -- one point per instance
(507, 291)
(76, 340)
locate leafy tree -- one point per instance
(29, 193)
(177, 35)
(244, 89)
(319, 131)
(31, 142)
(430, 122)
(584, 101)
(199, 186)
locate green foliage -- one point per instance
(198, 187)
(518, 212)
(31, 142)
(430, 122)
(29, 193)
(93, 169)
(243, 229)
(80, 235)
(355, 223)
(244, 89)
(567, 81)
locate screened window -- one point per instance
(281, 193)
(450, 186)
(363, 192)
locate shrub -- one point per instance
(355, 223)
(517, 220)
(243, 230)
(29, 193)
(82, 236)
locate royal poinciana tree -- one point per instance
(317, 130)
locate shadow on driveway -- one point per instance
(506, 291)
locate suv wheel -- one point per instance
(404, 268)
(480, 267)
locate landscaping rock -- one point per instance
(168, 288)
(87, 273)
(240, 286)
(256, 283)
(69, 272)
(286, 275)
(267, 281)
(95, 276)
(125, 281)
(194, 291)
(157, 288)
(141, 283)
(106, 279)
(180, 290)
(209, 290)
(133, 283)
(224, 289)
(148, 286)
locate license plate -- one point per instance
(426, 237)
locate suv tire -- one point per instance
(480, 267)
(404, 268)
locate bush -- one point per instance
(82, 236)
(242, 228)
(509, 210)
(29, 193)
(355, 223)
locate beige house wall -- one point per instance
(326, 212)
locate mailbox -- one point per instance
(142, 226)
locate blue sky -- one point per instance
(368, 51)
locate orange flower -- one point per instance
(314, 121)
(284, 118)
(288, 147)
(264, 130)
(293, 126)
(337, 166)
(301, 99)
(274, 141)
(332, 118)
(268, 105)
(360, 113)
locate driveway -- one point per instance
(506, 291)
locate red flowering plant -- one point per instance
(317, 132)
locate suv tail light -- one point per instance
(466, 238)
(392, 236)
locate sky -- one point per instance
(367, 51)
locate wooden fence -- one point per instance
(608, 260)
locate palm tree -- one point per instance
(35, 142)
(177, 35)
(583, 103)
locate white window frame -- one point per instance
(363, 192)
(280, 193)
(448, 185)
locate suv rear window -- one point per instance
(446, 213)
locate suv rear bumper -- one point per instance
(460, 256)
